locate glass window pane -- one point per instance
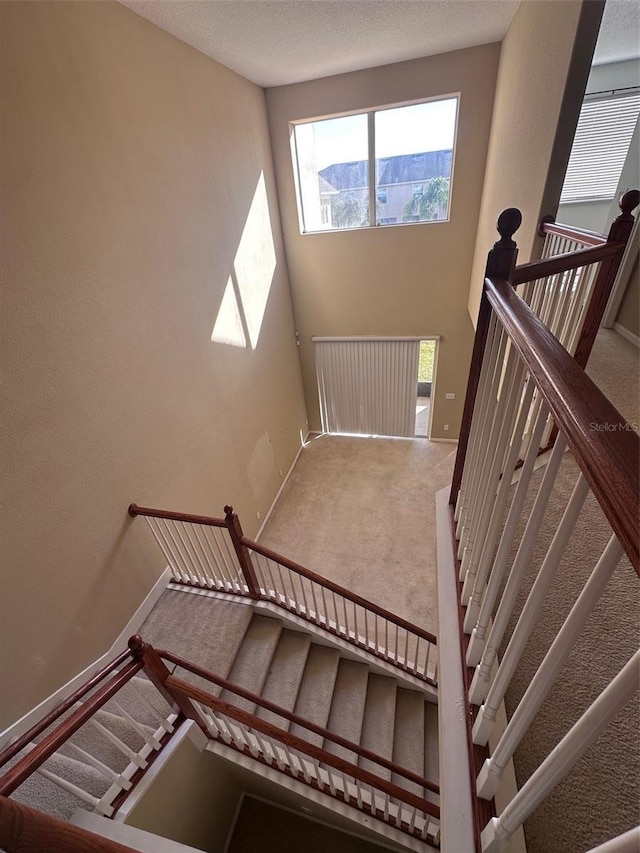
(333, 173)
(414, 155)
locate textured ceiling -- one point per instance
(619, 36)
(274, 42)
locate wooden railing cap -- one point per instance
(508, 223)
(629, 201)
(137, 645)
(546, 220)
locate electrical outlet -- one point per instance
(280, 472)
(258, 513)
(449, 396)
(446, 427)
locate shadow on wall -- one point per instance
(244, 302)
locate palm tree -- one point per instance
(426, 205)
(348, 211)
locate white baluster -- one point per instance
(492, 495)
(475, 601)
(179, 572)
(191, 534)
(530, 614)
(102, 768)
(481, 678)
(173, 531)
(479, 426)
(70, 788)
(491, 774)
(563, 757)
(476, 420)
(134, 757)
(216, 563)
(481, 484)
(479, 633)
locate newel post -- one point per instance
(619, 232)
(501, 261)
(244, 558)
(157, 672)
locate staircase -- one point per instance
(341, 692)
(104, 757)
(324, 686)
(337, 718)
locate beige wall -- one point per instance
(403, 280)
(629, 311)
(129, 166)
(544, 65)
(192, 800)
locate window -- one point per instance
(600, 146)
(385, 167)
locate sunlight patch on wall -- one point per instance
(228, 327)
(255, 262)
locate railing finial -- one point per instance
(228, 510)
(508, 223)
(137, 645)
(629, 201)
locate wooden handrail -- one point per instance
(565, 262)
(25, 830)
(340, 590)
(135, 510)
(195, 693)
(578, 235)
(45, 749)
(605, 447)
(242, 543)
(300, 721)
(36, 730)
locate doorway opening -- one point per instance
(425, 384)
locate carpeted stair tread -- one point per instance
(96, 743)
(252, 662)
(284, 676)
(42, 794)
(408, 739)
(143, 701)
(316, 689)
(219, 626)
(379, 721)
(347, 707)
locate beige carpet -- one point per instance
(601, 797)
(374, 498)
(361, 511)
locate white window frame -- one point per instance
(370, 114)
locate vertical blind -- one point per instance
(368, 386)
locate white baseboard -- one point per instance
(281, 489)
(621, 330)
(31, 717)
(445, 440)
